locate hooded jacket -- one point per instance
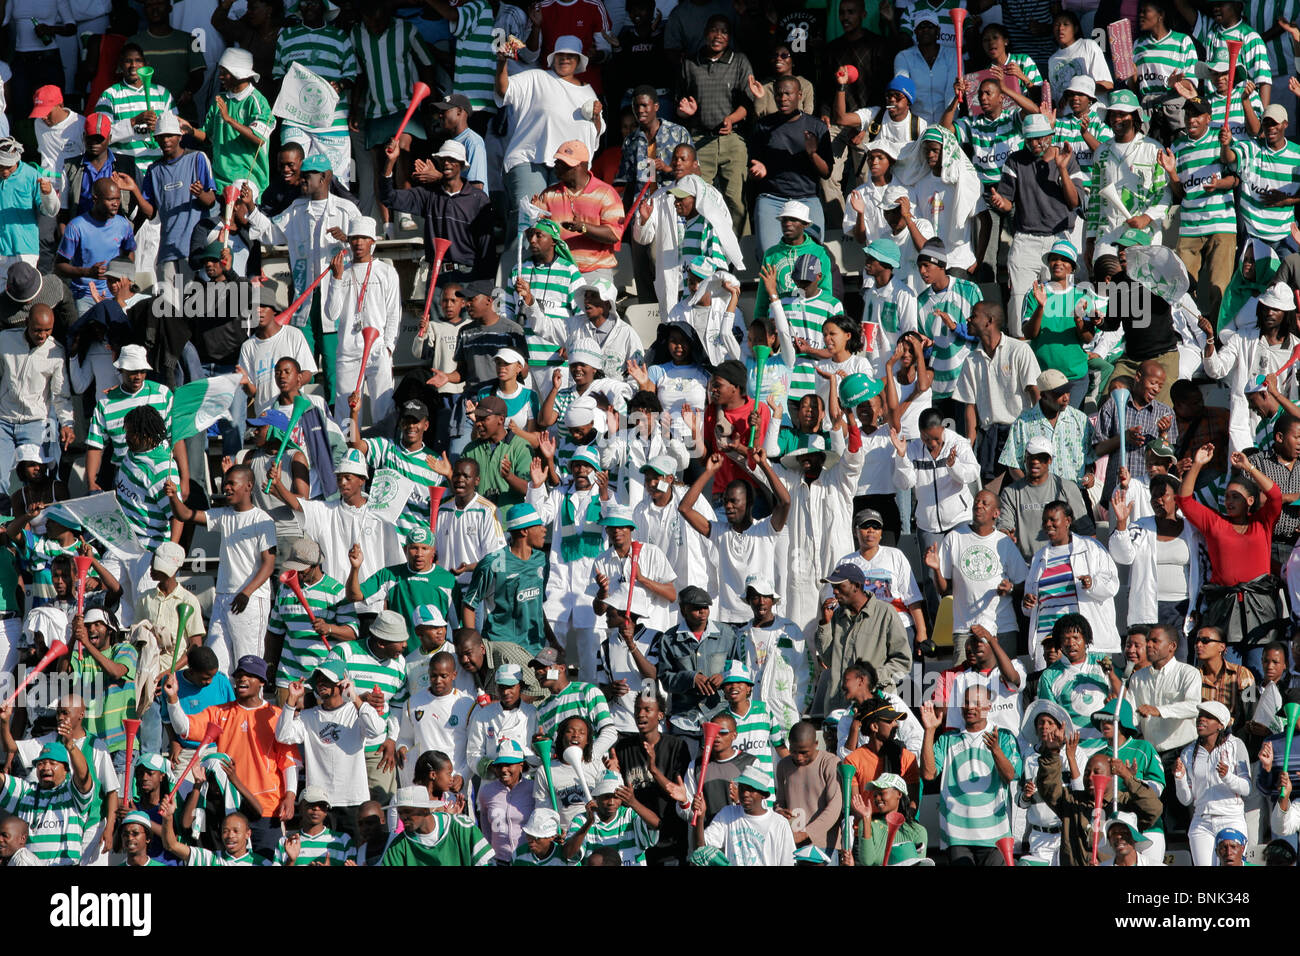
(1075, 808)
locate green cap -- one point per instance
(332, 670)
(55, 751)
(419, 535)
(315, 163)
(1134, 237)
(858, 388)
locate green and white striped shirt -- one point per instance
(303, 648)
(578, 699)
(1157, 60)
(202, 857)
(757, 734)
(1236, 114)
(1263, 14)
(973, 797)
(476, 55)
(990, 141)
(1254, 54)
(139, 487)
(327, 52)
(369, 672)
(626, 832)
(700, 239)
(1080, 688)
(806, 317)
(1204, 213)
(1069, 129)
(123, 102)
(552, 287)
(334, 848)
(411, 465)
(106, 424)
(950, 350)
(388, 61)
(56, 818)
(1262, 170)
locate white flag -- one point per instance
(101, 518)
(389, 492)
(306, 99)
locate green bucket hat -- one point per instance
(858, 388)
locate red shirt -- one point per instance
(598, 204)
(1236, 558)
(738, 417)
(584, 19)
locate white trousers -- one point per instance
(232, 636)
(1024, 267)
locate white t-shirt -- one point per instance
(738, 554)
(244, 536)
(1004, 711)
(889, 579)
(763, 840)
(895, 132)
(976, 565)
(678, 385)
(652, 564)
(60, 142)
(258, 356)
(545, 113)
(336, 527)
(466, 535)
(877, 477)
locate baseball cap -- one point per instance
(1050, 380)
(933, 251)
(44, 100)
(508, 752)
(1196, 107)
(760, 582)
(458, 100)
(806, 268)
(315, 163)
(661, 465)
(573, 152)
(273, 417)
(252, 665)
(547, 657)
(415, 410)
(331, 669)
(868, 516)
(428, 615)
(99, 124)
(154, 762)
(168, 124)
(471, 290)
(508, 675)
(138, 817)
(846, 573)
(303, 554)
(492, 405)
(132, 358)
(1160, 448)
(96, 615)
(1133, 237)
(120, 269)
(1040, 445)
(924, 16)
(1215, 709)
(313, 794)
(168, 558)
(904, 85)
(1275, 112)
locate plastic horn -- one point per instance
(146, 77)
(440, 247)
(627, 220)
(635, 573)
(132, 727)
(1005, 845)
(543, 748)
(1100, 784)
(210, 733)
(368, 338)
(710, 731)
(182, 619)
(57, 650)
(847, 772)
(300, 406)
(1120, 397)
(228, 197)
(418, 93)
(893, 820)
(1234, 51)
(436, 494)
(573, 757)
(1295, 355)
(959, 24)
(1292, 714)
(293, 582)
(762, 355)
(1114, 737)
(82, 564)
(284, 317)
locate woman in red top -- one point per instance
(1242, 597)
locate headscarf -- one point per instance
(11, 151)
(955, 168)
(709, 204)
(552, 229)
(1240, 289)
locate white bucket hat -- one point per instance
(569, 44)
(239, 64)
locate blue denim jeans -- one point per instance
(768, 226)
(522, 182)
(13, 434)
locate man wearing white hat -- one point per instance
(795, 218)
(433, 839)
(595, 326)
(509, 717)
(106, 425)
(776, 653)
(177, 189)
(363, 295)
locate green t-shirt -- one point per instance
(1057, 345)
(508, 594)
(488, 455)
(453, 842)
(408, 589)
(233, 156)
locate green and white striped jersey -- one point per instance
(1080, 688)
(552, 287)
(1254, 54)
(1027, 67)
(578, 699)
(476, 57)
(1262, 170)
(1157, 60)
(990, 140)
(626, 832)
(700, 239)
(123, 102)
(950, 350)
(1204, 213)
(389, 62)
(56, 818)
(806, 317)
(1263, 14)
(326, 51)
(526, 857)
(303, 648)
(334, 848)
(106, 424)
(368, 672)
(139, 488)
(413, 466)
(202, 857)
(1237, 115)
(1069, 129)
(973, 798)
(758, 735)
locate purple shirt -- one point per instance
(502, 815)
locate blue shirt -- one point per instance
(89, 176)
(166, 186)
(20, 195)
(194, 699)
(87, 241)
(476, 152)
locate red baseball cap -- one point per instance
(46, 98)
(99, 124)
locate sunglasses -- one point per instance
(1209, 640)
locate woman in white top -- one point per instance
(841, 355)
(907, 385)
(1167, 555)
(1212, 776)
(864, 213)
(1077, 56)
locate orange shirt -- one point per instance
(598, 204)
(866, 767)
(248, 738)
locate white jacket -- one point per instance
(943, 499)
(1201, 787)
(1242, 358)
(1136, 547)
(1096, 604)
